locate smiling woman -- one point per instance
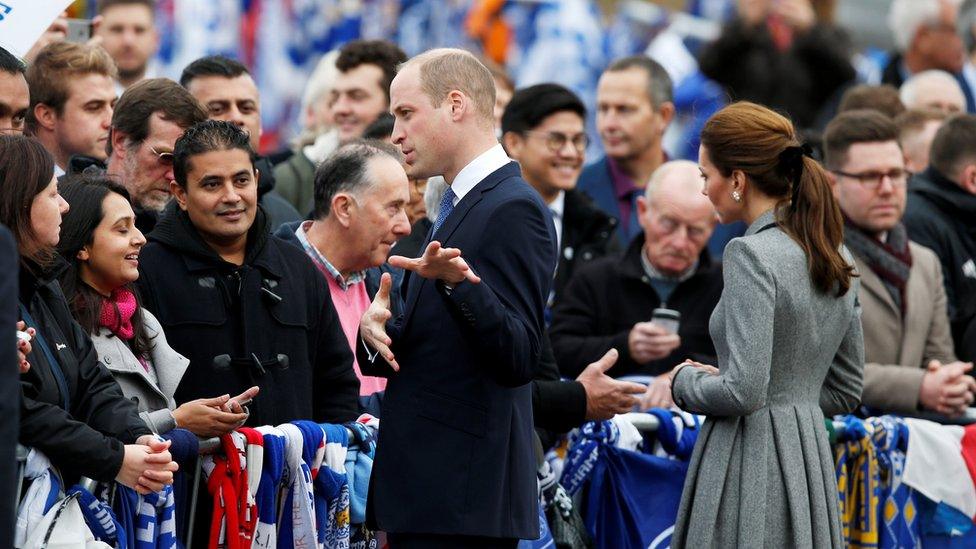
(71, 409)
(102, 246)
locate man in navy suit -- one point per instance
(634, 101)
(455, 465)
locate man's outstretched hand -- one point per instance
(438, 264)
(372, 326)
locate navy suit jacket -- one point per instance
(455, 452)
(595, 182)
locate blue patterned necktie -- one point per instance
(446, 207)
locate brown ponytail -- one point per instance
(751, 138)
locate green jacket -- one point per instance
(295, 181)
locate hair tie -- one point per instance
(791, 167)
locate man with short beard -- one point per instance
(148, 119)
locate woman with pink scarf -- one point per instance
(100, 241)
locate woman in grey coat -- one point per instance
(788, 336)
(101, 243)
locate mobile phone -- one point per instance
(669, 319)
(79, 31)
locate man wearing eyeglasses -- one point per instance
(148, 119)
(543, 129)
(909, 360)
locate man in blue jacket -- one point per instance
(456, 441)
(634, 101)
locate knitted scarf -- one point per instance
(117, 312)
(891, 260)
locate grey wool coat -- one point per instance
(762, 472)
(153, 394)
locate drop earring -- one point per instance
(736, 196)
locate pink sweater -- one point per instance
(350, 304)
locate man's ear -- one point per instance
(458, 103)
(832, 180)
(666, 110)
(513, 143)
(119, 142)
(179, 193)
(968, 179)
(342, 205)
(45, 116)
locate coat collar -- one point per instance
(769, 217)
(169, 365)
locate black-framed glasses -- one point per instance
(872, 179)
(555, 141)
(165, 158)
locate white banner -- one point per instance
(22, 22)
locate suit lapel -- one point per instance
(873, 284)
(450, 225)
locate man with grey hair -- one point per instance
(360, 194)
(933, 89)
(634, 107)
(925, 39)
(457, 410)
(609, 303)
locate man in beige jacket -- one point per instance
(909, 359)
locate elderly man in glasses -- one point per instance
(910, 363)
(148, 119)
(543, 129)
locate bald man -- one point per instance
(457, 412)
(933, 89)
(610, 302)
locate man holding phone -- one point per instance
(653, 302)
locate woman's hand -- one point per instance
(147, 467)
(24, 347)
(206, 417)
(658, 394)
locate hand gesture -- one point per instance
(147, 466)
(206, 417)
(438, 264)
(372, 326)
(946, 388)
(648, 341)
(24, 347)
(605, 396)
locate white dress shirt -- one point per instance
(558, 208)
(476, 170)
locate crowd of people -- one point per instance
(438, 250)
